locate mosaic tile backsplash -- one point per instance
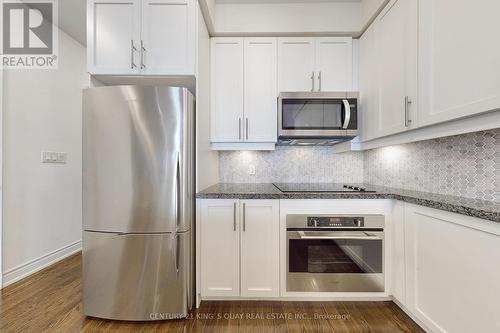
(291, 164)
(466, 165)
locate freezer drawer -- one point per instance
(137, 276)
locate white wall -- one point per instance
(207, 170)
(42, 202)
(269, 18)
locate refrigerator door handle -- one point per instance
(176, 254)
(177, 191)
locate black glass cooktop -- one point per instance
(320, 187)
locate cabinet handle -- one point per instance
(407, 114)
(234, 216)
(319, 78)
(244, 219)
(246, 128)
(239, 129)
(312, 80)
(143, 49)
(132, 55)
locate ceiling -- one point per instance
(282, 1)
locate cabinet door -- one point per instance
(226, 89)
(368, 85)
(260, 92)
(168, 37)
(397, 73)
(452, 270)
(260, 248)
(398, 274)
(459, 64)
(296, 64)
(113, 35)
(220, 248)
(334, 64)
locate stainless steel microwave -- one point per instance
(317, 118)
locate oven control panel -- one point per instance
(335, 221)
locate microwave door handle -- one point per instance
(361, 236)
(347, 109)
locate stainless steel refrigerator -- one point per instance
(138, 202)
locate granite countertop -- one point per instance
(483, 209)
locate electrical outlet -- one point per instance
(251, 169)
(54, 157)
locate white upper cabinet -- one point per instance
(315, 64)
(334, 64)
(243, 92)
(113, 34)
(396, 50)
(147, 37)
(296, 64)
(388, 72)
(459, 59)
(260, 90)
(227, 90)
(368, 85)
(167, 31)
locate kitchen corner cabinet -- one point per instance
(141, 37)
(452, 270)
(244, 93)
(239, 248)
(459, 64)
(388, 71)
(396, 49)
(315, 64)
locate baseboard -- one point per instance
(33, 266)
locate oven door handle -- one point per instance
(362, 235)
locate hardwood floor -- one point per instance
(50, 301)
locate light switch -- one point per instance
(54, 157)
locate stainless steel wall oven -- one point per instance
(327, 253)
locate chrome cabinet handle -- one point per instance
(347, 108)
(143, 49)
(244, 218)
(234, 216)
(239, 128)
(319, 78)
(312, 79)
(132, 55)
(407, 115)
(177, 191)
(246, 128)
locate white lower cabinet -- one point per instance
(452, 270)
(220, 248)
(398, 274)
(239, 248)
(260, 248)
